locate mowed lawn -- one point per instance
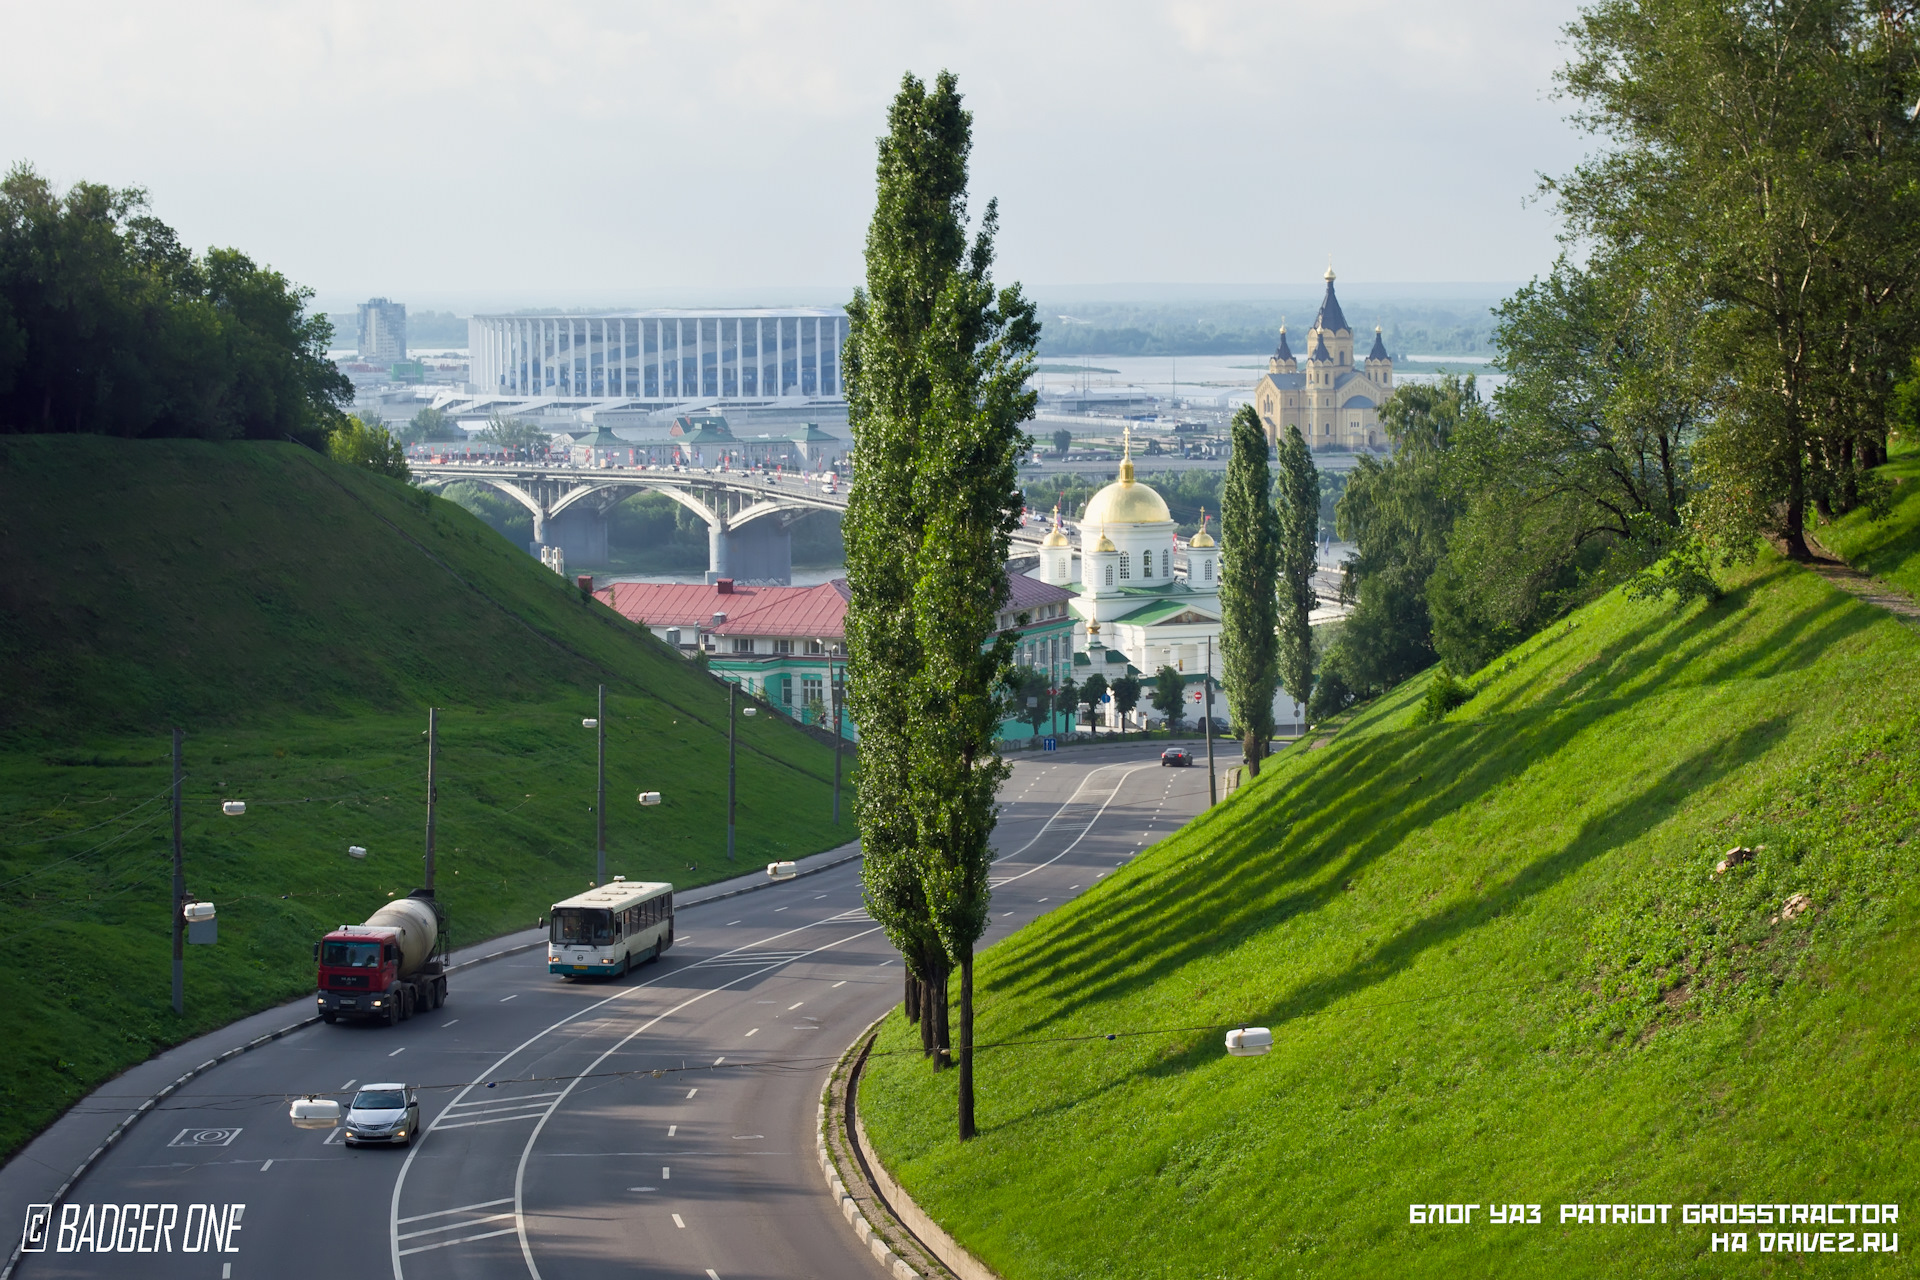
(1499, 968)
(297, 618)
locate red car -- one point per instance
(1176, 756)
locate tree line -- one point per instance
(1716, 362)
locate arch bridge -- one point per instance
(569, 505)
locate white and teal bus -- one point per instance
(608, 930)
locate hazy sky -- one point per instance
(572, 152)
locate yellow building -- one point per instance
(1334, 402)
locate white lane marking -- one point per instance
(397, 1052)
(465, 1208)
(449, 1022)
(268, 1165)
(468, 1124)
(643, 1188)
(841, 983)
(795, 1005)
(1066, 805)
(722, 1058)
(454, 1226)
(665, 1173)
(526, 1251)
(678, 1223)
(777, 910)
(514, 996)
(1041, 900)
(671, 1128)
(747, 1137)
(1091, 824)
(443, 1244)
(517, 1098)
(730, 923)
(712, 1274)
(1005, 914)
(500, 1110)
(754, 1032)
(349, 1084)
(818, 896)
(334, 1137)
(1072, 887)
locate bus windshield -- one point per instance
(351, 955)
(582, 926)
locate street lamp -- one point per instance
(834, 692)
(598, 723)
(733, 689)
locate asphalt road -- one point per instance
(552, 1149)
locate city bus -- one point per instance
(608, 930)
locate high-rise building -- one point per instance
(383, 331)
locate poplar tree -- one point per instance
(914, 244)
(1249, 556)
(1299, 545)
(942, 397)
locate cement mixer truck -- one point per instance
(388, 968)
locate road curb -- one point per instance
(903, 1225)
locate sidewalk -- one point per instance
(38, 1169)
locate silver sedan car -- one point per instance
(388, 1113)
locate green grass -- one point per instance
(296, 619)
(1498, 967)
(1887, 548)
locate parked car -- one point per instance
(383, 1113)
(1176, 756)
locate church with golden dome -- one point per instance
(1334, 401)
(1132, 604)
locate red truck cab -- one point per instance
(359, 974)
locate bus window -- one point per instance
(582, 926)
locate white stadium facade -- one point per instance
(661, 358)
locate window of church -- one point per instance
(1109, 575)
(1209, 569)
(1146, 565)
(1126, 567)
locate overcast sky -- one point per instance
(567, 152)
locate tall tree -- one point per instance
(915, 243)
(1091, 692)
(945, 426)
(1766, 151)
(1296, 554)
(1249, 564)
(1126, 696)
(1170, 697)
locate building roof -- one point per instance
(1281, 352)
(1357, 402)
(601, 438)
(1288, 381)
(1320, 350)
(1024, 592)
(702, 426)
(1163, 610)
(1330, 317)
(1379, 351)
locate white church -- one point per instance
(1133, 605)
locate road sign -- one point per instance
(1051, 744)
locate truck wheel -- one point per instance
(329, 1018)
(393, 1012)
(439, 992)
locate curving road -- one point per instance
(553, 1151)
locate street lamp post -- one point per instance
(834, 691)
(179, 892)
(1213, 794)
(599, 726)
(732, 689)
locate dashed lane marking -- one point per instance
(465, 1208)
(514, 996)
(795, 1005)
(678, 1223)
(841, 983)
(691, 1092)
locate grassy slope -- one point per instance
(1888, 548)
(1498, 968)
(297, 618)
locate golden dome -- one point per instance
(1201, 539)
(1057, 539)
(1125, 501)
(1105, 544)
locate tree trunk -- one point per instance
(966, 1045)
(937, 991)
(1251, 747)
(910, 1002)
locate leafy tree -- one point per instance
(1062, 441)
(109, 325)
(360, 445)
(512, 433)
(1766, 157)
(1066, 701)
(943, 396)
(1028, 698)
(1249, 563)
(1094, 689)
(1126, 696)
(1170, 697)
(1296, 554)
(1398, 513)
(430, 425)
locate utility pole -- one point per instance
(179, 892)
(1213, 792)
(600, 791)
(433, 744)
(732, 689)
(835, 688)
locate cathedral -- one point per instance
(1335, 403)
